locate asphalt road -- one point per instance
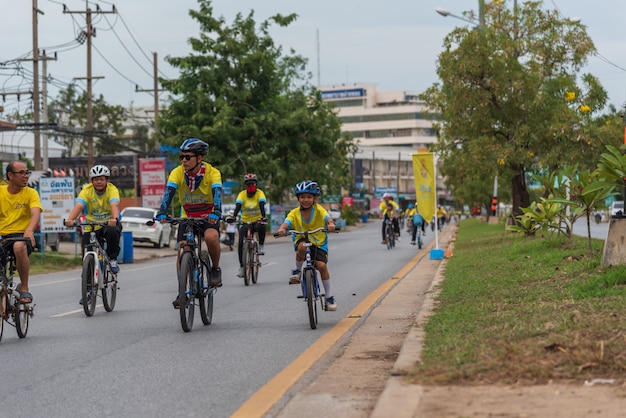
(136, 361)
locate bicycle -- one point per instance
(309, 279)
(12, 311)
(194, 275)
(96, 274)
(390, 236)
(250, 254)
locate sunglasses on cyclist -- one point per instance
(22, 172)
(186, 157)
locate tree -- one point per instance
(510, 97)
(69, 112)
(254, 106)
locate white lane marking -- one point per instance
(72, 312)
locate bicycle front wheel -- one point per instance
(22, 313)
(247, 263)
(389, 234)
(109, 291)
(89, 289)
(254, 262)
(206, 298)
(186, 294)
(309, 278)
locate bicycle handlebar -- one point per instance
(78, 223)
(313, 231)
(176, 221)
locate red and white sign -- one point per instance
(152, 181)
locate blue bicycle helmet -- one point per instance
(307, 186)
(195, 145)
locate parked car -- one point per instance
(134, 220)
(52, 239)
(335, 214)
(617, 208)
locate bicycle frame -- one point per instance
(10, 307)
(250, 253)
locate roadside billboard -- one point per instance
(57, 195)
(152, 181)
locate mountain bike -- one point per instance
(96, 274)
(250, 254)
(310, 279)
(12, 311)
(390, 236)
(194, 275)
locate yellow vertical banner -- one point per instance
(424, 175)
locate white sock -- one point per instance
(327, 292)
(299, 265)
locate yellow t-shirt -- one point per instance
(295, 221)
(250, 211)
(96, 206)
(15, 209)
(383, 205)
(199, 203)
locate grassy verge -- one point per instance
(524, 310)
(53, 262)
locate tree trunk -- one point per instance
(521, 198)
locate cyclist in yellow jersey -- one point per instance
(199, 188)
(251, 203)
(20, 210)
(307, 217)
(388, 199)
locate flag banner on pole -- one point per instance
(424, 175)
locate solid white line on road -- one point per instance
(72, 312)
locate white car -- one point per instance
(335, 214)
(134, 219)
(617, 206)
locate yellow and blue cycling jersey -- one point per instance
(197, 201)
(15, 209)
(250, 209)
(319, 216)
(97, 206)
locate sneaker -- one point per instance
(113, 265)
(176, 303)
(384, 242)
(241, 273)
(80, 302)
(295, 277)
(261, 250)
(412, 242)
(216, 277)
(331, 305)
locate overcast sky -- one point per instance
(392, 43)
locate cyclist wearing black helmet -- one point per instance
(199, 188)
(251, 203)
(307, 217)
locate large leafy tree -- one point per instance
(512, 101)
(254, 106)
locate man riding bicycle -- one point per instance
(20, 210)
(199, 187)
(251, 202)
(388, 200)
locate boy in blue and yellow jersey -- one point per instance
(388, 200)
(251, 203)
(199, 188)
(307, 217)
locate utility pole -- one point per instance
(90, 32)
(37, 145)
(154, 91)
(44, 96)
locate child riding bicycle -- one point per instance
(307, 217)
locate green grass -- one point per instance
(52, 262)
(524, 310)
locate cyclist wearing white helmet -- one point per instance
(199, 188)
(307, 217)
(251, 203)
(382, 209)
(99, 201)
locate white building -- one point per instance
(388, 127)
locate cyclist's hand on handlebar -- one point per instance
(281, 232)
(112, 222)
(263, 220)
(214, 217)
(161, 217)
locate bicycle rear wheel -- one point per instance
(309, 278)
(206, 298)
(185, 291)
(3, 310)
(389, 234)
(254, 262)
(89, 289)
(109, 291)
(22, 313)
(247, 263)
